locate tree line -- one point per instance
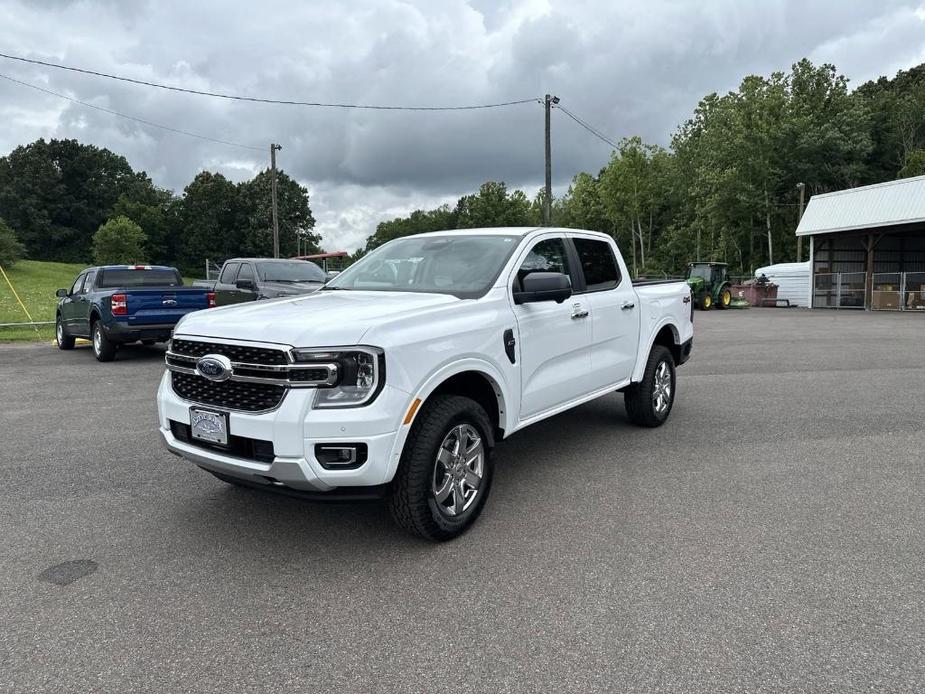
(56, 196)
(726, 187)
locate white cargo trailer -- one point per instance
(792, 280)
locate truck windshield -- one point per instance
(290, 271)
(464, 266)
(147, 277)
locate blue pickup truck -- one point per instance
(117, 304)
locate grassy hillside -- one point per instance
(35, 282)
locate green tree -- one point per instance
(11, 249)
(119, 241)
(56, 193)
(493, 206)
(915, 165)
(209, 217)
(151, 209)
(294, 215)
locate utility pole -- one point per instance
(273, 149)
(547, 203)
(802, 188)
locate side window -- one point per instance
(246, 272)
(548, 255)
(77, 287)
(598, 264)
(228, 273)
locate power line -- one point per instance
(594, 131)
(286, 102)
(132, 118)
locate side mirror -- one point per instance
(544, 286)
(247, 285)
(61, 293)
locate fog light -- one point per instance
(340, 456)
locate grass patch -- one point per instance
(35, 282)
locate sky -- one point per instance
(627, 67)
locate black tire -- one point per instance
(104, 349)
(639, 398)
(706, 302)
(64, 340)
(725, 299)
(412, 501)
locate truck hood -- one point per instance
(276, 289)
(323, 319)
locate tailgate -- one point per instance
(161, 306)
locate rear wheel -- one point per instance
(706, 302)
(65, 341)
(725, 298)
(104, 349)
(648, 403)
(445, 471)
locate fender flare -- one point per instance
(434, 381)
(642, 356)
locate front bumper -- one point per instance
(294, 428)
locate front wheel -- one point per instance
(445, 471)
(706, 303)
(65, 341)
(104, 349)
(648, 403)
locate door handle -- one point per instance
(578, 311)
(627, 305)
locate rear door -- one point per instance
(609, 293)
(554, 339)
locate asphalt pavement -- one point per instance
(769, 538)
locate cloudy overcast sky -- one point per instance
(629, 67)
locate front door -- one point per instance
(554, 339)
(70, 305)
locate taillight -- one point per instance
(118, 305)
(210, 299)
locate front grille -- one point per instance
(233, 395)
(237, 353)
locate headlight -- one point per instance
(360, 374)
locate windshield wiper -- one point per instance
(334, 289)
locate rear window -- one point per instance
(598, 264)
(111, 279)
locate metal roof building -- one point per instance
(867, 246)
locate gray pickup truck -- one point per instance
(250, 279)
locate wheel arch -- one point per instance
(667, 335)
(473, 378)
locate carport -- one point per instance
(867, 247)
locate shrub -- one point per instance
(119, 241)
(11, 249)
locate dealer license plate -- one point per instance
(208, 425)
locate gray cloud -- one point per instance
(635, 67)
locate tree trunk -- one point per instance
(633, 240)
(642, 245)
(767, 218)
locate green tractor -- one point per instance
(709, 285)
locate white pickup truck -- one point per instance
(398, 377)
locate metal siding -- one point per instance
(884, 204)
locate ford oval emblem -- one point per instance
(215, 367)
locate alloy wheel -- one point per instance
(661, 392)
(458, 470)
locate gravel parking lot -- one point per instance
(768, 538)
